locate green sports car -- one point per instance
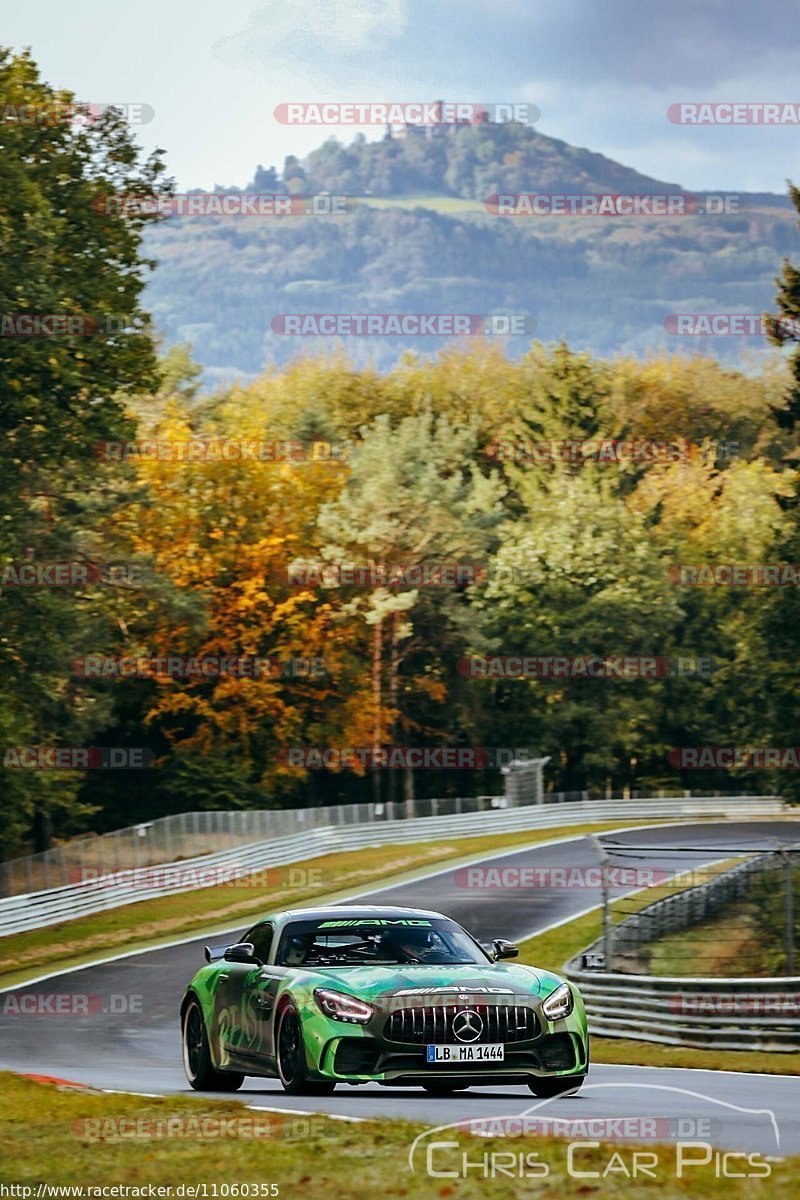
(397, 996)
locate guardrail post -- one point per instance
(607, 931)
(789, 902)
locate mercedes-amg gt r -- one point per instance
(396, 996)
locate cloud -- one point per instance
(681, 44)
(455, 44)
(313, 37)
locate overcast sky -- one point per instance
(602, 72)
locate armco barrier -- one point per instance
(723, 1014)
(36, 909)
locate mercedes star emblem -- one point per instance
(467, 1026)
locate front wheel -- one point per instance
(291, 1059)
(200, 1071)
(563, 1085)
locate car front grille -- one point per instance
(430, 1024)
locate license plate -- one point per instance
(489, 1052)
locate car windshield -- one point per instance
(376, 941)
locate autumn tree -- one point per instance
(414, 495)
(66, 253)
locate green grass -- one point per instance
(747, 940)
(730, 946)
(152, 922)
(51, 1134)
(629, 1052)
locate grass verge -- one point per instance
(67, 1137)
(731, 944)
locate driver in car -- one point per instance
(410, 945)
(299, 949)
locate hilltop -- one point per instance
(422, 241)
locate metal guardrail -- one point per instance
(723, 1014)
(130, 884)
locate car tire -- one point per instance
(200, 1071)
(445, 1089)
(290, 1058)
(563, 1085)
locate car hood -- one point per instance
(501, 982)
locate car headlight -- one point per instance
(342, 1007)
(559, 1003)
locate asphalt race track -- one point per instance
(140, 1050)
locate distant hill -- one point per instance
(472, 162)
(421, 241)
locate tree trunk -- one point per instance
(377, 700)
(42, 831)
(408, 789)
(394, 670)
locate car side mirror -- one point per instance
(243, 952)
(504, 949)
